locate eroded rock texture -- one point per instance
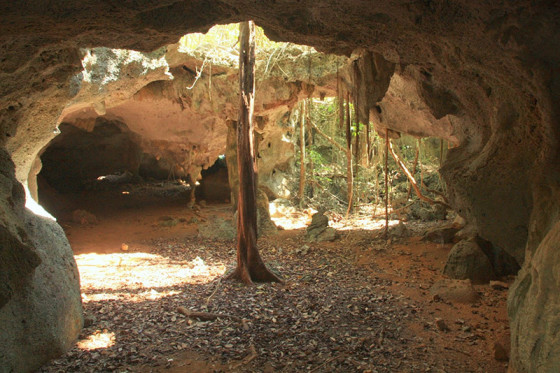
(40, 302)
(484, 75)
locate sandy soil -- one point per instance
(356, 304)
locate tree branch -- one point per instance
(413, 181)
(329, 139)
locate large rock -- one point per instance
(441, 235)
(40, 301)
(534, 309)
(503, 263)
(466, 260)
(18, 259)
(319, 230)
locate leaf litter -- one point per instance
(335, 312)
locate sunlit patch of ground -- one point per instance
(99, 339)
(290, 218)
(355, 304)
(140, 276)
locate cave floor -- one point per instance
(352, 305)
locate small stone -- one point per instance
(441, 325)
(500, 352)
(124, 247)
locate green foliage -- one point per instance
(220, 44)
(326, 164)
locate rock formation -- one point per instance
(466, 260)
(487, 73)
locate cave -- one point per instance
(92, 175)
(214, 186)
(483, 77)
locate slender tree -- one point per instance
(250, 266)
(386, 183)
(349, 167)
(357, 117)
(302, 115)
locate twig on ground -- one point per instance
(325, 363)
(456, 350)
(247, 359)
(214, 292)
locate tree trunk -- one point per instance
(357, 81)
(349, 168)
(311, 139)
(250, 266)
(414, 167)
(302, 154)
(386, 183)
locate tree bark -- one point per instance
(414, 167)
(386, 183)
(250, 266)
(349, 167)
(357, 82)
(302, 154)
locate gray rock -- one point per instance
(400, 230)
(218, 228)
(328, 234)
(442, 235)
(466, 260)
(42, 320)
(319, 230)
(503, 263)
(534, 309)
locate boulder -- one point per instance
(42, 320)
(399, 231)
(502, 262)
(218, 228)
(441, 235)
(319, 230)
(466, 260)
(534, 309)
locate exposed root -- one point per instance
(206, 316)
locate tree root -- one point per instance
(206, 316)
(247, 359)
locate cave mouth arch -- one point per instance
(510, 54)
(105, 169)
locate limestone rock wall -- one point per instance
(178, 116)
(40, 301)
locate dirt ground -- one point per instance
(357, 304)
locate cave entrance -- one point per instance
(102, 171)
(214, 185)
(164, 255)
